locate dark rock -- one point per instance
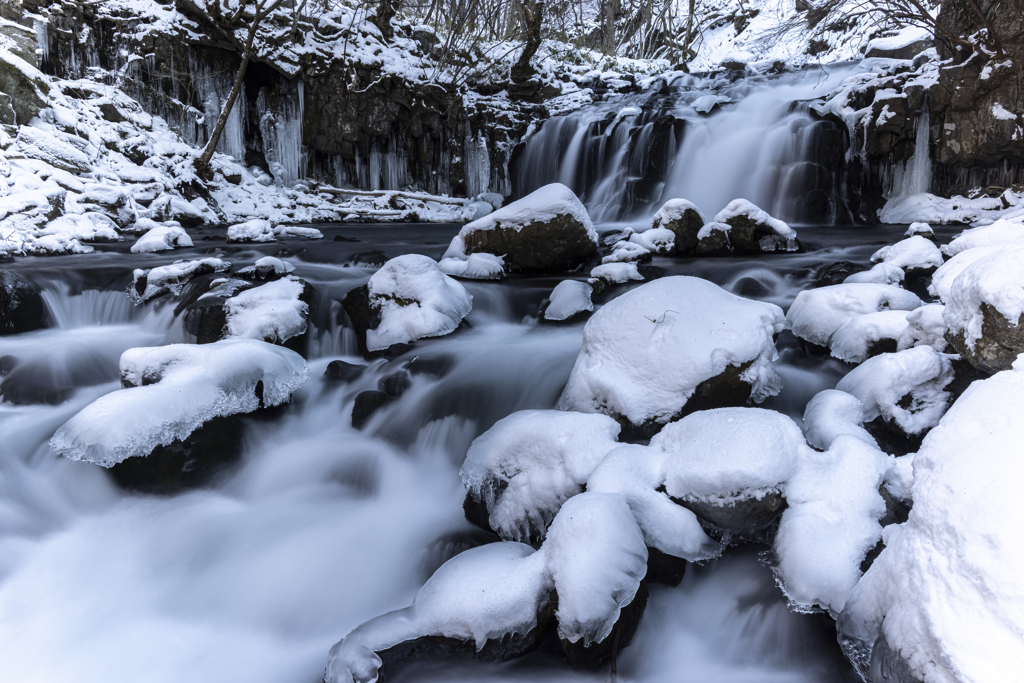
(751, 236)
(21, 304)
(892, 439)
(342, 238)
(715, 243)
(905, 52)
(597, 655)
(438, 366)
(1000, 343)
(340, 371)
(751, 288)
(685, 229)
(111, 113)
(367, 403)
(836, 273)
(395, 384)
(27, 94)
(748, 519)
(664, 569)
(557, 245)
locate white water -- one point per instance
(757, 146)
(322, 527)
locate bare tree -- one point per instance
(534, 18)
(229, 19)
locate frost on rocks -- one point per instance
(524, 467)
(414, 299)
(925, 327)
(999, 233)
(645, 353)
(147, 284)
(866, 334)
(831, 414)
(175, 389)
(162, 238)
(274, 312)
(816, 314)
(943, 601)
(568, 298)
(256, 230)
(905, 387)
(915, 252)
(474, 267)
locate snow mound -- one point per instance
(994, 280)
(999, 233)
(273, 312)
(645, 352)
(256, 230)
(945, 593)
(925, 327)
(655, 240)
(816, 314)
(172, 391)
(831, 414)
(854, 341)
(922, 229)
(528, 464)
(162, 238)
(913, 252)
(479, 266)
(568, 298)
(881, 273)
(904, 387)
(151, 283)
(616, 273)
(943, 278)
(674, 210)
(298, 231)
(628, 251)
(414, 299)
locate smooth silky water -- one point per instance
(320, 526)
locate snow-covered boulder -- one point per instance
(831, 414)
(172, 390)
(752, 230)
(627, 251)
(868, 335)
(266, 268)
(655, 241)
(173, 208)
(881, 273)
(78, 227)
(985, 309)
(548, 230)
(110, 200)
(816, 314)
(274, 312)
(21, 304)
(520, 471)
(684, 219)
(478, 266)
(568, 299)
(999, 233)
(26, 85)
(162, 238)
(947, 273)
(45, 146)
(298, 231)
(256, 230)
(713, 240)
(150, 283)
(411, 298)
(944, 601)
(925, 327)
(648, 352)
(913, 253)
(922, 229)
(904, 391)
(616, 273)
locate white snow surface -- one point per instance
(298, 231)
(914, 252)
(544, 457)
(947, 273)
(568, 298)
(478, 266)
(415, 300)
(831, 414)
(627, 251)
(186, 386)
(655, 240)
(946, 590)
(816, 314)
(616, 273)
(645, 352)
(853, 341)
(882, 382)
(256, 230)
(925, 327)
(162, 238)
(673, 210)
(999, 233)
(922, 229)
(881, 273)
(271, 312)
(995, 279)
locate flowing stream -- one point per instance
(320, 526)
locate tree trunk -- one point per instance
(522, 71)
(689, 30)
(385, 13)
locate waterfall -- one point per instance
(707, 139)
(478, 165)
(915, 176)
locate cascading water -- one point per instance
(709, 140)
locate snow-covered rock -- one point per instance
(567, 299)
(627, 252)
(999, 233)
(274, 312)
(548, 230)
(655, 240)
(39, 144)
(684, 219)
(816, 314)
(173, 208)
(831, 414)
(22, 308)
(616, 273)
(150, 283)
(925, 327)
(752, 230)
(256, 230)
(984, 309)
(947, 273)
(162, 238)
(523, 468)
(478, 266)
(646, 352)
(922, 229)
(913, 253)
(868, 335)
(881, 273)
(713, 240)
(413, 299)
(298, 231)
(172, 390)
(943, 601)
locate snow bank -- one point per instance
(913, 252)
(414, 299)
(529, 463)
(816, 314)
(162, 238)
(995, 280)
(273, 312)
(256, 230)
(645, 352)
(568, 298)
(946, 593)
(884, 383)
(174, 390)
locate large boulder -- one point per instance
(752, 230)
(21, 304)
(684, 219)
(670, 347)
(817, 314)
(547, 231)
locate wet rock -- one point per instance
(753, 231)
(21, 304)
(714, 242)
(751, 518)
(751, 288)
(437, 366)
(836, 273)
(1000, 343)
(598, 655)
(340, 371)
(367, 403)
(684, 219)
(663, 569)
(395, 384)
